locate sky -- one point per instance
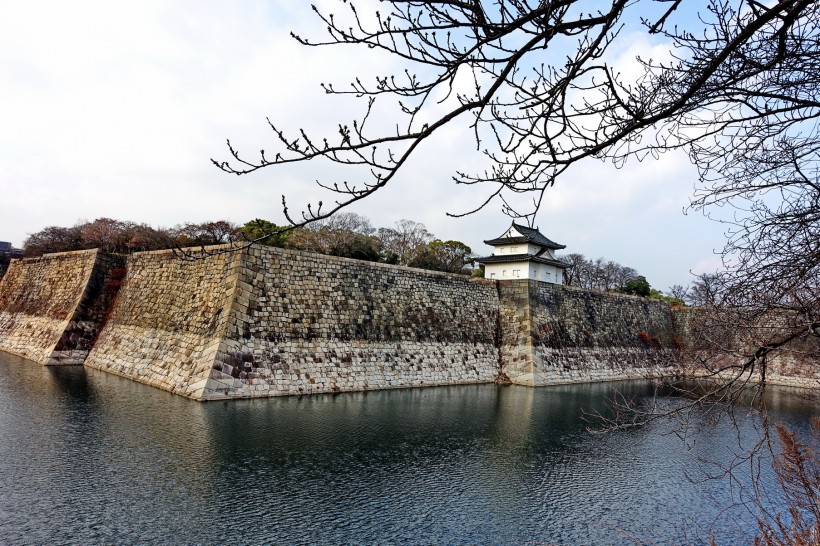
(115, 109)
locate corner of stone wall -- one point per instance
(39, 300)
(91, 311)
(169, 318)
(554, 334)
(210, 384)
(515, 326)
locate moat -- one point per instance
(87, 457)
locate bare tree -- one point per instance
(621, 275)
(600, 274)
(121, 236)
(678, 292)
(106, 233)
(346, 221)
(403, 238)
(143, 237)
(53, 239)
(575, 275)
(739, 80)
(705, 290)
(740, 93)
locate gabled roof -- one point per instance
(528, 235)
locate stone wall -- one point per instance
(51, 307)
(269, 322)
(558, 334)
(797, 365)
(726, 342)
(169, 318)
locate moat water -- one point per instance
(90, 458)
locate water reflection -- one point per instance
(90, 457)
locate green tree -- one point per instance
(265, 233)
(638, 286)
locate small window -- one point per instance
(504, 273)
(492, 275)
(516, 272)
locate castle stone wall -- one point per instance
(559, 334)
(727, 343)
(51, 307)
(169, 318)
(269, 322)
(262, 321)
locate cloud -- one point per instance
(713, 264)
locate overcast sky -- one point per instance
(114, 109)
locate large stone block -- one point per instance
(51, 307)
(553, 334)
(270, 322)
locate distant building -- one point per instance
(7, 253)
(524, 253)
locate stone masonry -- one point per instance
(262, 321)
(558, 334)
(269, 322)
(307, 323)
(51, 307)
(171, 314)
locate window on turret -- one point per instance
(516, 272)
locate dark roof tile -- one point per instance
(500, 259)
(528, 235)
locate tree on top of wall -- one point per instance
(401, 240)
(638, 286)
(449, 256)
(598, 274)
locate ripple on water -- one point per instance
(86, 457)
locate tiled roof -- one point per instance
(528, 235)
(496, 259)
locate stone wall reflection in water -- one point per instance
(87, 457)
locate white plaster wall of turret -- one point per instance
(521, 248)
(524, 270)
